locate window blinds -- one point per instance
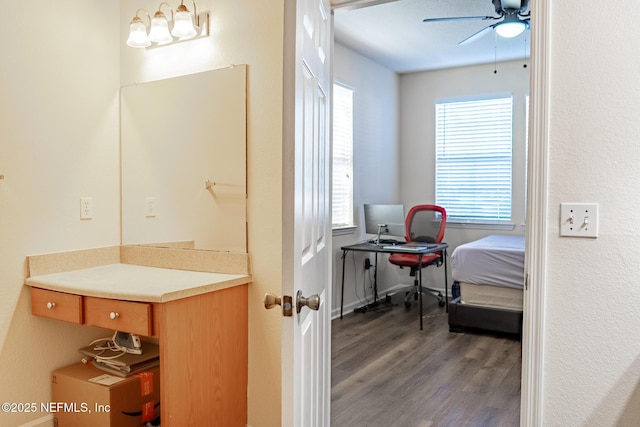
(342, 191)
(474, 159)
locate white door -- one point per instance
(306, 338)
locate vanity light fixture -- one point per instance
(159, 32)
(185, 25)
(138, 31)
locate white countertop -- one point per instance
(136, 283)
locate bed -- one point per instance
(490, 276)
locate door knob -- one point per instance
(271, 301)
(313, 302)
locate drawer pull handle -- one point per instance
(51, 305)
(114, 315)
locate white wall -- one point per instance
(419, 93)
(591, 357)
(59, 83)
(375, 170)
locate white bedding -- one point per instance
(496, 260)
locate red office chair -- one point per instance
(424, 223)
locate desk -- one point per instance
(373, 248)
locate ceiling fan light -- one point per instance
(510, 29)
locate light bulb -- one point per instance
(510, 29)
(183, 24)
(159, 32)
(138, 34)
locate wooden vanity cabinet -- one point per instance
(204, 359)
(203, 347)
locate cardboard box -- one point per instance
(83, 395)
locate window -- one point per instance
(342, 191)
(474, 159)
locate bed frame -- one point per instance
(463, 317)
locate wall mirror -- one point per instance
(183, 164)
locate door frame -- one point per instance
(537, 207)
(537, 219)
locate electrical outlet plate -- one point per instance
(150, 207)
(86, 207)
(579, 220)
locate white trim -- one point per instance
(532, 393)
(356, 4)
(349, 229)
(382, 295)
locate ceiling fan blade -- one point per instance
(475, 36)
(463, 18)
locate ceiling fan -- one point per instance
(513, 17)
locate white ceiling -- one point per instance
(392, 34)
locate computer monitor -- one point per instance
(384, 220)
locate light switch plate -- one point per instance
(579, 220)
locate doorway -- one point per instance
(534, 205)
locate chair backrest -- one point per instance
(426, 223)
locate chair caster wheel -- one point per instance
(441, 303)
(407, 304)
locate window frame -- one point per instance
(347, 223)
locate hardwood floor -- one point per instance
(386, 372)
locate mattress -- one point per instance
(491, 296)
(496, 260)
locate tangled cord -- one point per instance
(107, 344)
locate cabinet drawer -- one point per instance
(124, 316)
(56, 305)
